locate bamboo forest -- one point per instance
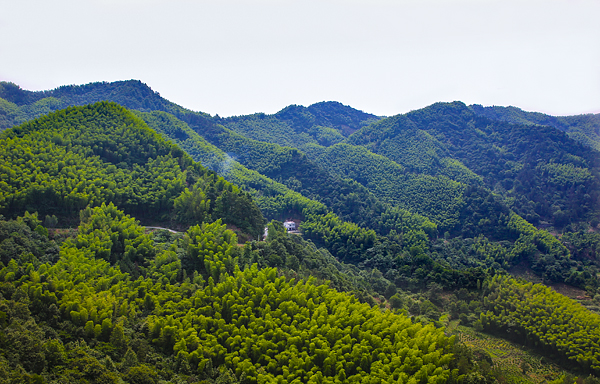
(142, 242)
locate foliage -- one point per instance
(298, 173)
(527, 167)
(298, 258)
(258, 325)
(345, 240)
(119, 304)
(582, 128)
(18, 105)
(541, 317)
(437, 198)
(498, 358)
(275, 200)
(54, 165)
(280, 202)
(324, 123)
(22, 239)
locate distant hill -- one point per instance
(18, 105)
(324, 123)
(539, 171)
(582, 128)
(430, 154)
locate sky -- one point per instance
(236, 57)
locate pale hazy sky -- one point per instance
(235, 57)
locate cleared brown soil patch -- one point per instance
(570, 291)
(523, 271)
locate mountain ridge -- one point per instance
(433, 161)
(584, 128)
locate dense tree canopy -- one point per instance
(80, 156)
(415, 213)
(545, 319)
(258, 325)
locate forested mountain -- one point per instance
(18, 105)
(422, 214)
(467, 173)
(325, 191)
(582, 128)
(324, 123)
(184, 310)
(213, 144)
(540, 173)
(432, 164)
(60, 163)
(81, 319)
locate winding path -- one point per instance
(166, 229)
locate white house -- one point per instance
(289, 225)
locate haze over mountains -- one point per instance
(395, 210)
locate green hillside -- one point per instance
(543, 318)
(275, 200)
(582, 128)
(324, 123)
(467, 174)
(325, 191)
(82, 319)
(61, 163)
(294, 169)
(437, 197)
(429, 160)
(348, 201)
(539, 172)
(18, 105)
(267, 159)
(185, 310)
(421, 215)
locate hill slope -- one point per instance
(582, 128)
(301, 184)
(540, 173)
(324, 123)
(80, 156)
(185, 307)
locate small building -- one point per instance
(289, 225)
